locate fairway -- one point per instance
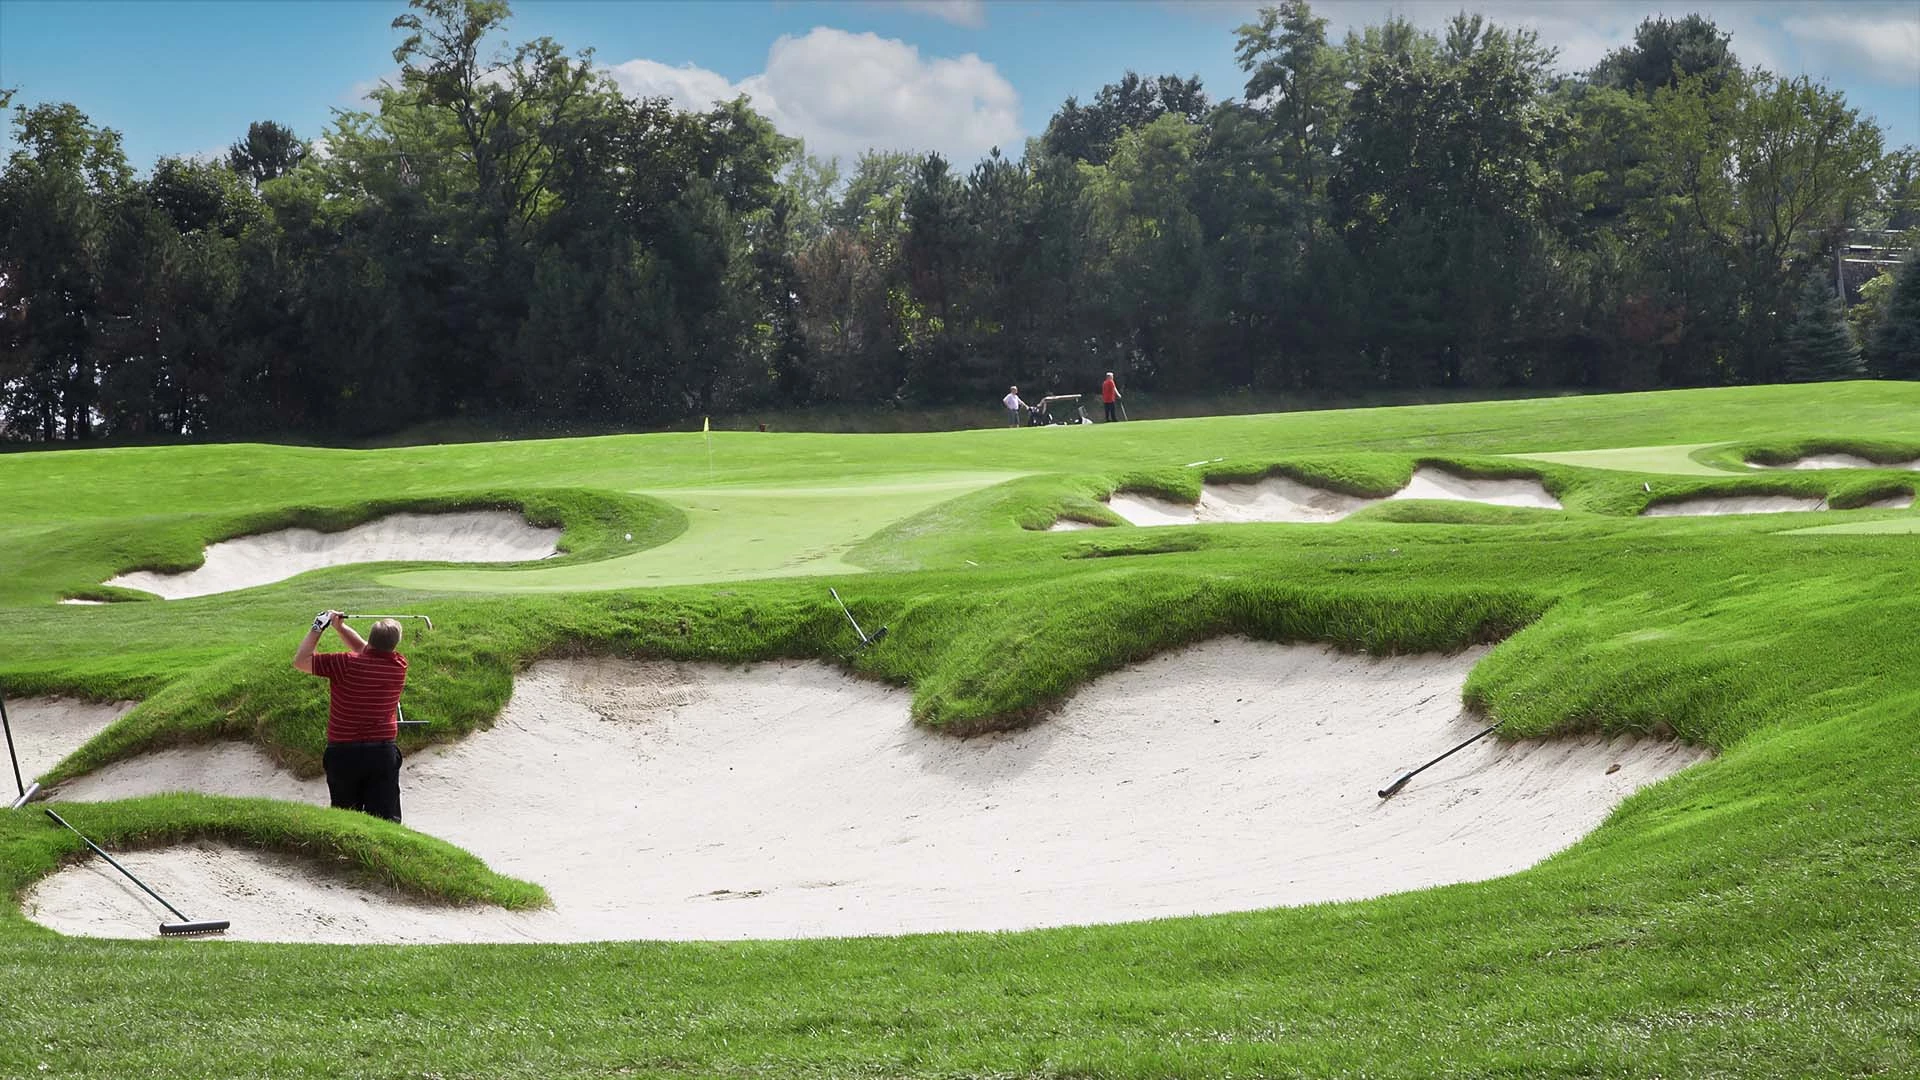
(1091, 792)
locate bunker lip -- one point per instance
(1278, 498)
(789, 800)
(1711, 505)
(1839, 460)
(246, 561)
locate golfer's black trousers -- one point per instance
(1109, 406)
(364, 776)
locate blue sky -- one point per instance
(958, 76)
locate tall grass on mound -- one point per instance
(1787, 451)
(347, 845)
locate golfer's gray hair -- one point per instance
(384, 637)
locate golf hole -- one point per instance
(789, 800)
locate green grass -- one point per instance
(352, 847)
(1752, 917)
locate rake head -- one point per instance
(200, 928)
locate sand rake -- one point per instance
(1393, 789)
(27, 791)
(185, 927)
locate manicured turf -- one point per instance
(1752, 917)
(733, 534)
(1673, 460)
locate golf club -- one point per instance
(1394, 788)
(423, 618)
(185, 926)
(865, 641)
(26, 792)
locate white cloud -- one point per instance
(1838, 40)
(968, 13)
(844, 93)
(1886, 45)
(357, 94)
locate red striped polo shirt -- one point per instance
(366, 693)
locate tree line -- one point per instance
(501, 233)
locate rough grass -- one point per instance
(1752, 917)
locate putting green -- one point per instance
(1674, 460)
(1858, 528)
(734, 534)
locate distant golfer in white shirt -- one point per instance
(1014, 406)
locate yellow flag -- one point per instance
(706, 423)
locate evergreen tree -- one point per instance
(1818, 345)
(1894, 352)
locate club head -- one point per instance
(26, 796)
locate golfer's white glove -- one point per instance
(322, 621)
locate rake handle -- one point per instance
(8, 727)
(115, 863)
(1394, 788)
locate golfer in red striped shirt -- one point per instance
(362, 760)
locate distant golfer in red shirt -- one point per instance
(1109, 394)
(362, 760)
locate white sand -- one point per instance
(45, 730)
(1141, 509)
(1070, 525)
(246, 561)
(1278, 498)
(1841, 461)
(1435, 484)
(87, 603)
(1734, 504)
(789, 800)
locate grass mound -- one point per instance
(351, 846)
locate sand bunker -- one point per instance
(1734, 504)
(1070, 525)
(46, 730)
(1841, 461)
(246, 561)
(1279, 498)
(789, 800)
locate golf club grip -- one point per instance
(115, 863)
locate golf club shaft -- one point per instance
(849, 615)
(1402, 782)
(115, 863)
(423, 618)
(8, 727)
